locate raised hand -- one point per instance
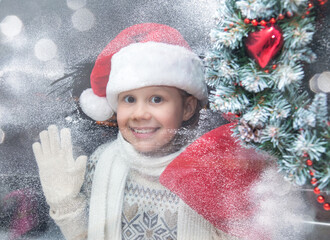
(61, 176)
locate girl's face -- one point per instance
(149, 117)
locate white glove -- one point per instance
(61, 176)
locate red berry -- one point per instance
(310, 5)
(274, 66)
(320, 199)
(254, 22)
(281, 16)
(231, 25)
(317, 190)
(247, 21)
(311, 173)
(289, 14)
(263, 23)
(272, 20)
(309, 162)
(313, 181)
(326, 206)
(266, 71)
(308, 12)
(225, 29)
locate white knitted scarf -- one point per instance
(108, 192)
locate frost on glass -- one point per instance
(43, 41)
(40, 42)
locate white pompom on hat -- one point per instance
(147, 54)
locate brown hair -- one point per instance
(193, 121)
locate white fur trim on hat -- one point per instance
(94, 106)
(155, 64)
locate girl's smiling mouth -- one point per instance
(143, 132)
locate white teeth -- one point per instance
(143, 130)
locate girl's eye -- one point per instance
(156, 99)
(129, 99)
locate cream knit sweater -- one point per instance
(113, 163)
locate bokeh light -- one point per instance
(320, 82)
(324, 82)
(45, 49)
(11, 26)
(83, 19)
(2, 136)
(76, 4)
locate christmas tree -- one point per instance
(255, 71)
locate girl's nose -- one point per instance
(141, 112)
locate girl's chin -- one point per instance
(148, 150)
(156, 150)
(151, 148)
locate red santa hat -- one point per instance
(142, 55)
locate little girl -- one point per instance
(153, 82)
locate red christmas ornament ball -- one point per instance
(317, 190)
(289, 14)
(326, 206)
(272, 20)
(320, 199)
(323, 2)
(313, 181)
(247, 21)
